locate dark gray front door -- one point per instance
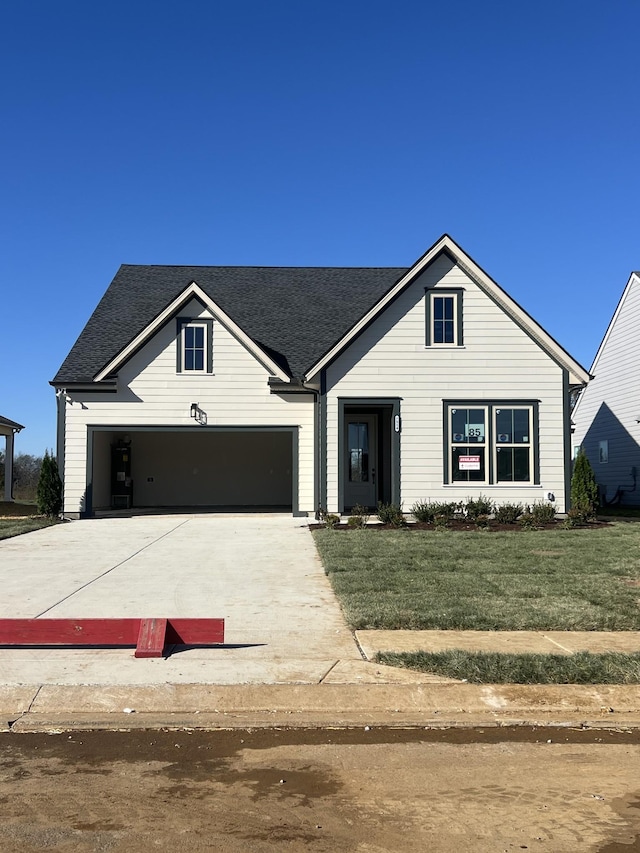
(360, 463)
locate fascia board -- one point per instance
(577, 373)
(193, 290)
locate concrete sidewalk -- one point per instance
(513, 642)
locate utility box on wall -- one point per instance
(121, 482)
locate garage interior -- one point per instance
(204, 468)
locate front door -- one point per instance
(360, 462)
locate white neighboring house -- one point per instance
(8, 429)
(296, 389)
(607, 414)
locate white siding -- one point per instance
(497, 362)
(151, 393)
(609, 408)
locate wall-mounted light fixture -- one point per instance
(194, 410)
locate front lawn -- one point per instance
(500, 668)
(582, 580)
(15, 526)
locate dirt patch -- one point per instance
(324, 791)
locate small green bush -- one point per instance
(584, 489)
(423, 511)
(475, 507)
(391, 514)
(508, 513)
(329, 519)
(359, 516)
(543, 512)
(49, 493)
(576, 517)
(537, 515)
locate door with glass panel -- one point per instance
(360, 461)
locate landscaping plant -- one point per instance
(391, 514)
(584, 489)
(49, 492)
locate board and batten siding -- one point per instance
(152, 394)
(609, 407)
(497, 362)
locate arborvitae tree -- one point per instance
(49, 494)
(584, 489)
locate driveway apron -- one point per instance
(261, 573)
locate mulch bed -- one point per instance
(460, 525)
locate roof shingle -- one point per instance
(294, 313)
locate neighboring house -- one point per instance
(306, 388)
(8, 429)
(607, 414)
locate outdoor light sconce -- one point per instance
(197, 414)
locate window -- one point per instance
(444, 318)
(194, 346)
(603, 451)
(491, 443)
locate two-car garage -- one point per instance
(204, 467)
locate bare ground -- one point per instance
(494, 789)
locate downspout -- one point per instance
(61, 402)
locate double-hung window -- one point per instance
(444, 318)
(491, 443)
(194, 346)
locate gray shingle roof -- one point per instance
(294, 313)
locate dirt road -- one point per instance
(490, 790)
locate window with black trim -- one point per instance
(491, 443)
(444, 318)
(194, 341)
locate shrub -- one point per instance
(423, 511)
(543, 512)
(328, 518)
(584, 489)
(575, 517)
(508, 513)
(475, 507)
(391, 514)
(359, 517)
(49, 492)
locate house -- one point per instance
(8, 429)
(607, 414)
(305, 388)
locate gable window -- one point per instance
(444, 317)
(491, 443)
(194, 346)
(603, 451)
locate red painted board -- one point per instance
(69, 632)
(194, 632)
(151, 638)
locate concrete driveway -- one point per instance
(260, 572)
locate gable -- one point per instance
(617, 361)
(517, 315)
(196, 301)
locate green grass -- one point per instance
(561, 580)
(496, 668)
(15, 526)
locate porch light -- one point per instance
(194, 410)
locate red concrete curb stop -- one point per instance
(149, 636)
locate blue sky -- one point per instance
(306, 133)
